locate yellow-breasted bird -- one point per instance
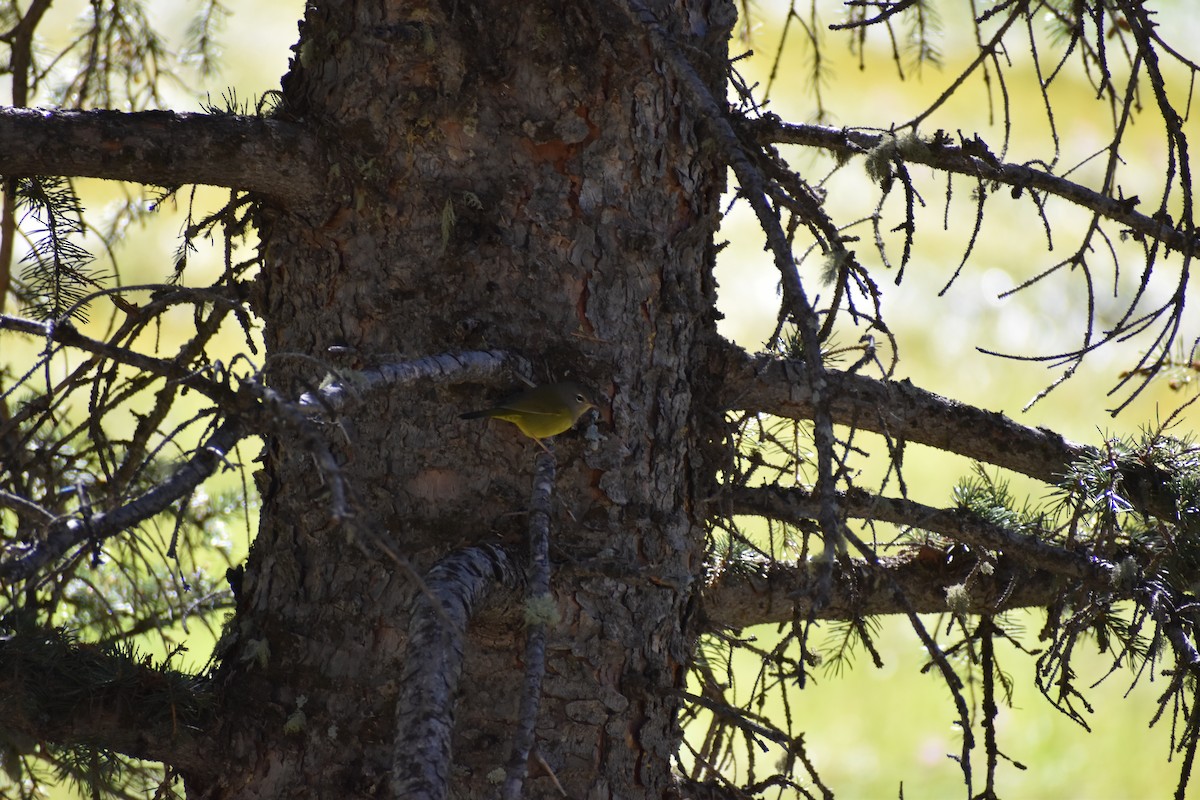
(542, 411)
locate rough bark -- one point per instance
(902, 412)
(455, 590)
(577, 233)
(274, 158)
(756, 594)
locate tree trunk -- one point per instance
(577, 233)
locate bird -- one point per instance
(543, 411)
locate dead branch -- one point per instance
(271, 157)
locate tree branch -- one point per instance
(974, 159)
(904, 412)
(792, 504)
(65, 333)
(55, 690)
(454, 589)
(538, 610)
(750, 593)
(468, 365)
(274, 158)
(69, 532)
(901, 411)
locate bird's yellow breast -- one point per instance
(536, 424)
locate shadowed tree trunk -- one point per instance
(516, 177)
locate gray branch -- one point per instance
(1026, 572)
(65, 333)
(69, 532)
(901, 411)
(537, 610)
(793, 504)
(454, 589)
(905, 413)
(755, 592)
(466, 366)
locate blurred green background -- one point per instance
(867, 730)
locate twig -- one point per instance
(538, 610)
(976, 161)
(791, 504)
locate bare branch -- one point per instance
(69, 532)
(271, 157)
(906, 413)
(23, 506)
(771, 592)
(794, 504)
(538, 610)
(887, 10)
(901, 411)
(466, 366)
(458, 583)
(974, 159)
(63, 332)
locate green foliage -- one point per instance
(1107, 498)
(843, 641)
(161, 579)
(60, 676)
(924, 31)
(56, 275)
(201, 46)
(230, 103)
(989, 497)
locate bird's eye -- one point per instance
(580, 398)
